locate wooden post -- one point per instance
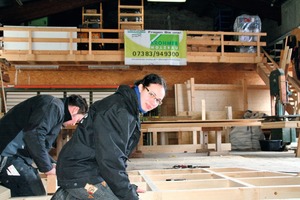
(298, 147)
(71, 43)
(176, 99)
(228, 112)
(30, 42)
(192, 86)
(2, 92)
(218, 140)
(90, 42)
(203, 109)
(154, 139)
(194, 137)
(245, 94)
(205, 140)
(228, 129)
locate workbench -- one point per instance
(199, 129)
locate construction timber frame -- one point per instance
(215, 184)
(207, 183)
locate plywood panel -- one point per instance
(218, 97)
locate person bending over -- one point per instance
(27, 133)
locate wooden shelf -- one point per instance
(131, 16)
(92, 17)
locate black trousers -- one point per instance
(25, 182)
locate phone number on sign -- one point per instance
(155, 54)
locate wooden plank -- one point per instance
(263, 74)
(200, 123)
(288, 62)
(182, 148)
(146, 178)
(283, 57)
(273, 181)
(50, 183)
(280, 124)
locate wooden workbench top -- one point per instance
(201, 123)
(280, 124)
(216, 123)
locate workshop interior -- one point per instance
(232, 70)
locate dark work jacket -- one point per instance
(101, 144)
(40, 118)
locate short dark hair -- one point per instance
(79, 101)
(152, 78)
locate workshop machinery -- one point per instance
(280, 93)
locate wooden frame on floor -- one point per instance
(207, 183)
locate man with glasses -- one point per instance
(93, 162)
(27, 133)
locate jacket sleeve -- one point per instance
(40, 133)
(112, 134)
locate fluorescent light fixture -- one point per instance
(36, 66)
(108, 67)
(168, 1)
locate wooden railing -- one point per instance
(100, 46)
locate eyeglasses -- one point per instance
(153, 95)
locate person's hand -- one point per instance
(52, 171)
(138, 190)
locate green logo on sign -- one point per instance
(164, 41)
